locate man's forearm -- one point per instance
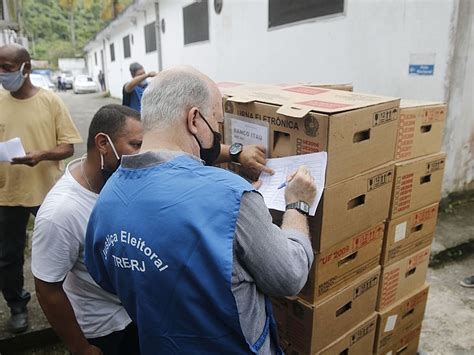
(59, 312)
(292, 219)
(224, 156)
(134, 82)
(60, 152)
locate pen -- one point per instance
(282, 185)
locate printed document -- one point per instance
(11, 149)
(283, 167)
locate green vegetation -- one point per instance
(61, 28)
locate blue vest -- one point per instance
(136, 97)
(161, 238)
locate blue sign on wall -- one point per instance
(421, 69)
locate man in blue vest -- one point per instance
(132, 91)
(190, 249)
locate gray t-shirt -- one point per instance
(267, 260)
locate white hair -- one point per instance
(171, 95)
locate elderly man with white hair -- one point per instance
(190, 249)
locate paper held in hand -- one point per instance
(11, 149)
(283, 167)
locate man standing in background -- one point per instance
(42, 122)
(132, 91)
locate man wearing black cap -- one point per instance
(133, 90)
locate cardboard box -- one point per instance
(308, 328)
(405, 344)
(417, 184)
(408, 234)
(420, 129)
(400, 318)
(401, 278)
(339, 265)
(349, 207)
(358, 131)
(357, 341)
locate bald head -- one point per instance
(174, 92)
(15, 53)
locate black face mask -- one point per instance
(209, 155)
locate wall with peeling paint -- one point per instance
(459, 130)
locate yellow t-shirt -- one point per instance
(42, 122)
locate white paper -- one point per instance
(11, 149)
(390, 325)
(274, 197)
(389, 353)
(249, 133)
(400, 231)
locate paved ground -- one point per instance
(82, 108)
(448, 328)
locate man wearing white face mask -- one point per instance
(84, 316)
(42, 122)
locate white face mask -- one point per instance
(13, 81)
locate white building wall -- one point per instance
(370, 45)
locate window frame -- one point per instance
(154, 46)
(125, 47)
(308, 20)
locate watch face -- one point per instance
(235, 148)
(304, 207)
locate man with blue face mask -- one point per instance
(190, 249)
(42, 122)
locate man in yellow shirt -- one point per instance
(42, 122)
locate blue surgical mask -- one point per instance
(13, 81)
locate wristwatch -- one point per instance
(234, 152)
(301, 206)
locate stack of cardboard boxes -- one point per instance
(336, 310)
(419, 168)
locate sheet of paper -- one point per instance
(274, 197)
(390, 325)
(11, 149)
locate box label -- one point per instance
(367, 237)
(425, 215)
(405, 135)
(362, 332)
(402, 198)
(400, 231)
(416, 300)
(433, 115)
(248, 133)
(390, 325)
(306, 90)
(365, 286)
(418, 258)
(389, 288)
(435, 166)
(379, 180)
(385, 116)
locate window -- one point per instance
(196, 22)
(150, 38)
(112, 52)
(126, 47)
(281, 12)
(95, 57)
(2, 16)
